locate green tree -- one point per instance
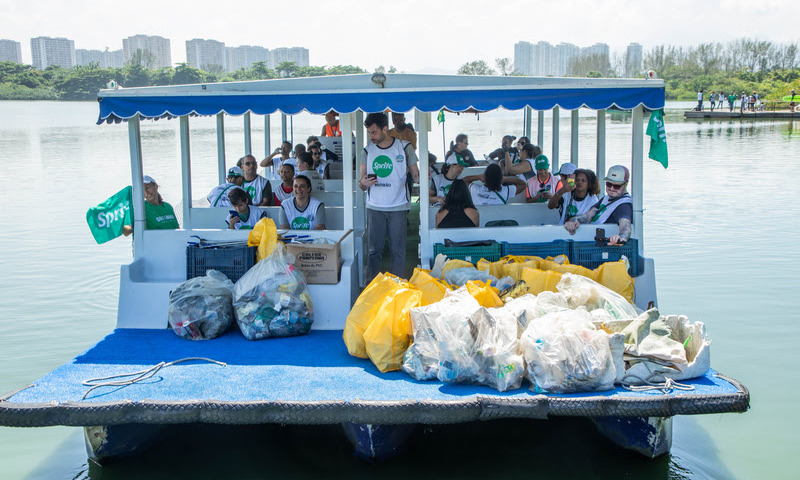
(286, 69)
(142, 58)
(186, 75)
(476, 67)
(505, 66)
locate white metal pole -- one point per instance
(556, 134)
(528, 121)
(637, 167)
(283, 128)
(267, 139)
(423, 123)
(360, 213)
(601, 149)
(346, 120)
(573, 137)
(186, 172)
(135, 147)
(248, 145)
(221, 147)
(540, 129)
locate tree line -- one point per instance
(23, 82)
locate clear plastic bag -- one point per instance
(565, 355)
(460, 276)
(272, 299)
(581, 291)
(200, 308)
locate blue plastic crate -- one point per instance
(589, 255)
(470, 254)
(543, 250)
(233, 261)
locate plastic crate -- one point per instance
(233, 261)
(589, 255)
(470, 254)
(543, 250)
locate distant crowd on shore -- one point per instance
(747, 103)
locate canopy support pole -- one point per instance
(346, 120)
(556, 134)
(528, 121)
(601, 149)
(135, 147)
(267, 139)
(360, 213)
(186, 173)
(540, 129)
(283, 128)
(248, 144)
(222, 173)
(423, 123)
(573, 137)
(637, 167)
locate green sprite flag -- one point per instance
(440, 117)
(658, 138)
(107, 219)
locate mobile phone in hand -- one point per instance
(372, 175)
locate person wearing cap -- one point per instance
(459, 149)
(331, 127)
(159, 215)
(305, 167)
(301, 211)
(507, 149)
(219, 195)
(255, 185)
(440, 182)
(525, 165)
(577, 196)
(616, 207)
(243, 216)
(495, 189)
(286, 188)
(542, 186)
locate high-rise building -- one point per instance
(245, 56)
(543, 59)
(46, 51)
(633, 60)
(523, 58)
(565, 52)
(206, 55)
(10, 51)
(155, 50)
(298, 55)
(104, 59)
(596, 49)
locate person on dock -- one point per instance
(383, 164)
(542, 186)
(305, 167)
(713, 100)
(244, 216)
(301, 211)
(331, 127)
(791, 100)
(459, 149)
(457, 210)
(700, 101)
(219, 195)
(731, 101)
(278, 157)
(286, 188)
(495, 189)
(255, 185)
(441, 182)
(743, 102)
(159, 215)
(576, 197)
(616, 207)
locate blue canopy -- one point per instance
(397, 92)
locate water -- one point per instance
(719, 223)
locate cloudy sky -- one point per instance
(412, 35)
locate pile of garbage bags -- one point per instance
(200, 308)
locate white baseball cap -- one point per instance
(618, 174)
(148, 179)
(567, 169)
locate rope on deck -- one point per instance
(666, 387)
(137, 377)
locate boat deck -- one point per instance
(305, 380)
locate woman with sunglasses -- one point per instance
(616, 207)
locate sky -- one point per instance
(415, 36)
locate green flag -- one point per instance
(107, 219)
(658, 138)
(440, 117)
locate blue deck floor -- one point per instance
(311, 368)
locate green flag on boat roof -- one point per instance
(440, 117)
(106, 221)
(658, 138)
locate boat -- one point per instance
(166, 380)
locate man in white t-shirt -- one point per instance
(382, 166)
(255, 185)
(219, 195)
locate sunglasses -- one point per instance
(249, 163)
(614, 186)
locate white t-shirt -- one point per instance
(307, 219)
(481, 195)
(256, 214)
(219, 195)
(575, 207)
(440, 184)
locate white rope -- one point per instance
(666, 387)
(137, 377)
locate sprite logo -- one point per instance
(445, 189)
(382, 166)
(300, 223)
(572, 210)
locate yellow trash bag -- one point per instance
(366, 308)
(514, 269)
(614, 275)
(432, 288)
(455, 263)
(567, 268)
(539, 281)
(264, 235)
(486, 295)
(388, 336)
(494, 268)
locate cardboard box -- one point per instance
(320, 263)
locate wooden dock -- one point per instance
(737, 115)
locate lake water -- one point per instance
(717, 222)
